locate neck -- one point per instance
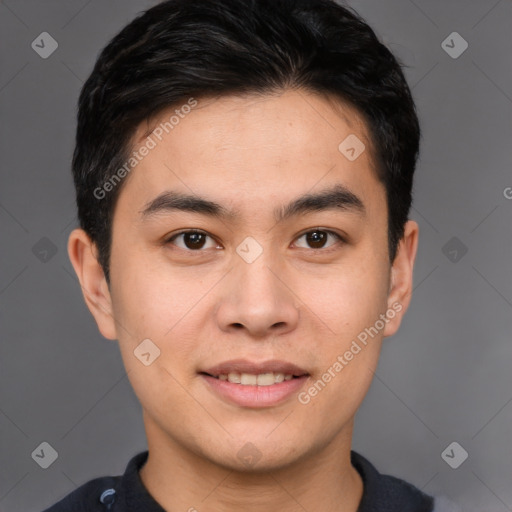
(179, 479)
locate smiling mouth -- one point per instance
(262, 379)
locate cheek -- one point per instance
(150, 304)
(153, 301)
(350, 299)
(152, 297)
(349, 308)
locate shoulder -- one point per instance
(104, 493)
(93, 496)
(385, 493)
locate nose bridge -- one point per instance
(258, 280)
(257, 297)
(253, 263)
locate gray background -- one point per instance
(444, 377)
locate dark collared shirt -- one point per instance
(126, 493)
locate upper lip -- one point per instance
(246, 366)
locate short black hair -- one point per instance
(180, 49)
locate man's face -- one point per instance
(254, 286)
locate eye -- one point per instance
(193, 240)
(317, 238)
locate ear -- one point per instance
(83, 255)
(401, 282)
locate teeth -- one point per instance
(248, 379)
(279, 377)
(266, 379)
(234, 377)
(263, 379)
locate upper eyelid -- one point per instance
(186, 231)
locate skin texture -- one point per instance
(299, 302)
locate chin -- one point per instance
(257, 456)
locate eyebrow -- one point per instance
(338, 197)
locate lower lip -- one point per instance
(255, 396)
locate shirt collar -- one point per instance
(377, 489)
(136, 497)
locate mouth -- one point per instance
(249, 379)
(249, 373)
(251, 384)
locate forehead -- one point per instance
(249, 148)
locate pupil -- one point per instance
(316, 237)
(196, 240)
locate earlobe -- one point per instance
(401, 279)
(83, 255)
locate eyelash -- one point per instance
(340, 239)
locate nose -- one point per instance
(257, 298)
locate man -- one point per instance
(243, 172)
